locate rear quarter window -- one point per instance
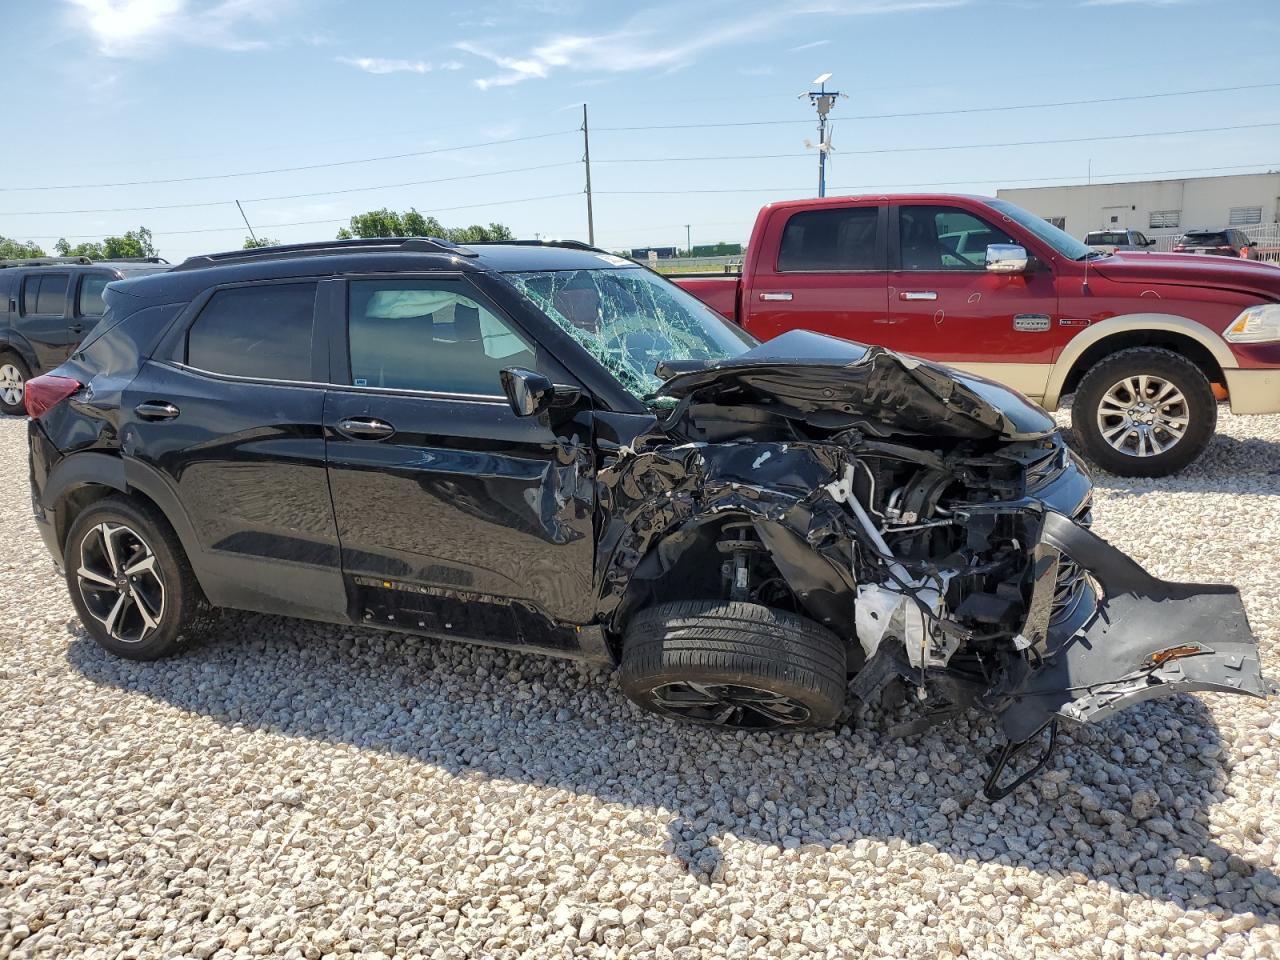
(262, 331)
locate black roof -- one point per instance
(395, 254)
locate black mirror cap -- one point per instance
(529, 393)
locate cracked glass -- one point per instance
(631, 319)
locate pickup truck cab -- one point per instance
(1146, 342)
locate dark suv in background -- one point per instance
(47, 305)
(1228, 242)
(549, 447)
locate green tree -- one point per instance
(134, 243)
(17, 250)
(412, 223)
(252, 244)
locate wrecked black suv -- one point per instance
(548, 447)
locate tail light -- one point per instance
(41, 394)
(1179, 248)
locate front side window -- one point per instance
(944, 238)
(429, 335)
(91, 288)
(261, 331)
(1059, 240)
(630, 320)
(45, 294)
(843, 238)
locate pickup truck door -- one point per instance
(822, 270)
(944, 305)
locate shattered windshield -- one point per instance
(630, 320)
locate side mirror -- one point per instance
(1007, 258)
(531, 393)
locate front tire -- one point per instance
(130, 581)
(14, 374)
(1144, 412)
(733, 664)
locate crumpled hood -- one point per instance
(833, 383)
(1189, 269)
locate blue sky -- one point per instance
(129, 90)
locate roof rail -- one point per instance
(43, 261)
(327, 248)
(569, 244)
(134, 260)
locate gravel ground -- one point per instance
(295, 790)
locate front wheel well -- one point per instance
(1178, 343)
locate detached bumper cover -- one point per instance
(1148, 638)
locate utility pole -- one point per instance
(586, 159)
(688, 243)
(823, 99)
(246, 222)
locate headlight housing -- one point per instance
(1260, 324)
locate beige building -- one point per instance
(1158, 208)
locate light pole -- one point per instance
(688, 244)
(824, 100)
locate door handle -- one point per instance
(77, 328)
(918, 295)
(156, 410)
(781, 295)
(365, 428)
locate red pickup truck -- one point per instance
(1148, 343)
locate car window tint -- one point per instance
(91, 288)
(30, 294)
(839, 239)
(944, 238)
(259, 331)
(429, 335)
(53, 294)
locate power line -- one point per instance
(954, 112)
(291, 196)
(310, 166)
(957, 146)
(307, 223)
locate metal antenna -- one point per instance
(823, 99)
(246, 222)
(586, 159)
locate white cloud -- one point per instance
(1132, 3)
(123, 28)
(383, 65)
(808, 46)
(639, 45)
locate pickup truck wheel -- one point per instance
(1144, 412)
(733, 664)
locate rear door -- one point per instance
(456, 517)
(43, 319)
(226, 417)
(89, 307)
(944, 305)
(823, 270)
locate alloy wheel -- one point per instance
(1143, 416)
(729, 704)
(10, 384)
(120, 583)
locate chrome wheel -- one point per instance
(1143, 416)
(120, 583)
(729, 704)
(10, 384)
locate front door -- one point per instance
(944, 305)
(44, 321)
(456, 517)
(828, 277)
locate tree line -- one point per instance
(373, 223)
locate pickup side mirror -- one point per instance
(531, 393)
(1007, 258)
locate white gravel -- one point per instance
(297, 790)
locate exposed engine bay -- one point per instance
(943, 535)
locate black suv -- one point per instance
(46, 306)
(549, 447)
(1228, 242)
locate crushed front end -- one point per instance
(936, 521)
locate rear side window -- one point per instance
(262, 332)
(839, 239)
(91, 288)
(45, 294)
(429, 335)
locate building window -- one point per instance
(1059, 222)
(1244, 216)
(1159, 219)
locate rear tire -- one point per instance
(1144, 412)
(14, 374)
(130, 580)
(734, 664)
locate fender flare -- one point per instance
(15, 343)
(1126, 323)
